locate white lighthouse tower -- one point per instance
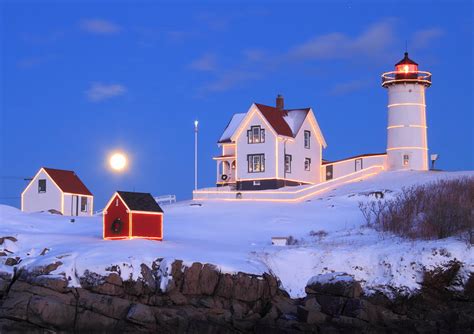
(407, 143)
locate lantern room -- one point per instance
(406, 71)
(406, 68)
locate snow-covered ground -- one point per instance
(237, 237)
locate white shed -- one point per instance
(59, 190)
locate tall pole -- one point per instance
(195, 154)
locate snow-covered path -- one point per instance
(237, 237)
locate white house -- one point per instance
(270, 147)
(59, 190)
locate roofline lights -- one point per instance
(406, 126)
(406, 104)
(298, 199)
(286, 192)
(407, 148)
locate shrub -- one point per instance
(318, 234)
(431, 211)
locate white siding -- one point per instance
(33, 201)
(407, 132)
(243, 149)
(346, 167)
(298, 152)
(70, 205)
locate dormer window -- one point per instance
(307, 139)
(255, 135)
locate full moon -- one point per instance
(118, 161)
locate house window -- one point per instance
(83, 204)
(406, 160)
(255, 135)
(307, 139)
(307, 164)
(287, 163)
(42, 185)
(256, 163)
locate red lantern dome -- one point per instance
(406, 68)
(406, 71)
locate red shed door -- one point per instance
(116, 220)
(147, 225)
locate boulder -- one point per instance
(310, 316)
(51, 312)
(225, 286)
(56, 283)
(191, 282)
(109, 306)
(148, 277)
(12, 261)
(91, 322)
(141, 314)
(247, 287)
(335, 284)
(332, 305)
(208, 279)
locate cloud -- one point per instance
(229, 80)
(100, 92)
(423, 38)
(348, 87)
(30, 62)
(375, 39)
(99, 27)
(206, 63)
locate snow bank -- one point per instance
(237, 237)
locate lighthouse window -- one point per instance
(307, 164)
(406, 159)
(255, 135)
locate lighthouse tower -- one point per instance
(407, 143)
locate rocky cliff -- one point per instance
(200, 299)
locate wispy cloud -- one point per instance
(99, 26)
(30, 62)
(375, 39)
(229, 79)
(348, 87)
(100, 91)
(425, 37)
(207, 62)
(377, 42)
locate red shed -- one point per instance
(131, 215)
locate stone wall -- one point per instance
(200, 299)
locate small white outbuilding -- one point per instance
(58, 190)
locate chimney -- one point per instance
(280, 104)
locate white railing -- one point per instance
(412, 76)
(165, 199)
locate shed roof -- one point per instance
(67, 181)
(140, 201)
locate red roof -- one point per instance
(67, 181)
(276, 118)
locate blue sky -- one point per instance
(80, 79)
